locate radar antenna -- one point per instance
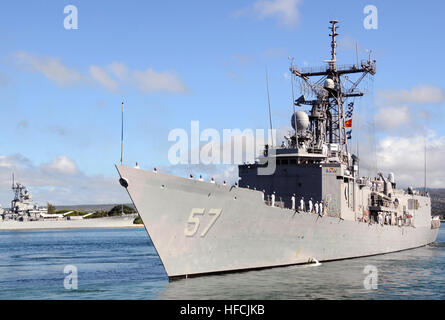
(327, 116)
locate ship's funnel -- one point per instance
(301, 119)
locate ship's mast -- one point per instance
(333, 34)
(327, 116)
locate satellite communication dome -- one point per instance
(329, 84)
(302, 120)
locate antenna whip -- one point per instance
(122, 135)
(268, 100)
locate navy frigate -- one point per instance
(300, 202)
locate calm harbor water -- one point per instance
(122, 264)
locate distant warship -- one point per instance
(22, 206)
(25, 214)
(300, 202)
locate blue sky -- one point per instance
(175, 61)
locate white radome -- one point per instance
(302, 120)
(329, 84)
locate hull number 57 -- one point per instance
(193, 222)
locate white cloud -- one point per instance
(52, 68)
(111, 77)
(286, 12)
(5, 162)
(405, 157)
(422, 94)
(101, 76)
(58, 182)
(119, 69)
(149, 81)
(62, 164)
(391, 118)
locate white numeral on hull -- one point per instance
(194, 220)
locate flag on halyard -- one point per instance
(349, 110)
(348, 122)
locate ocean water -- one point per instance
(122, 264)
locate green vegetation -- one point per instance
(138, 220)
(51, 208)
(117, 210)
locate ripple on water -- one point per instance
(122, 264)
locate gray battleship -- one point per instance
(25, 214)
(23, 208)
(300, 202)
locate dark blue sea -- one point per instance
(122, 264)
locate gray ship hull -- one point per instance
(200, 228)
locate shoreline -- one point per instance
(71, 228)
(106, 222)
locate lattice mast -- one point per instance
(328, 115)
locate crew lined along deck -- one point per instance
(382, 203)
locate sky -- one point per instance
(172, 62)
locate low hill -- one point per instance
(438, 202)
(92, 207)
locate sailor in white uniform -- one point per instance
(273, 199)
(293, 201)
(316, 208)
(302, 206)
(311, 206)
(380, 218)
